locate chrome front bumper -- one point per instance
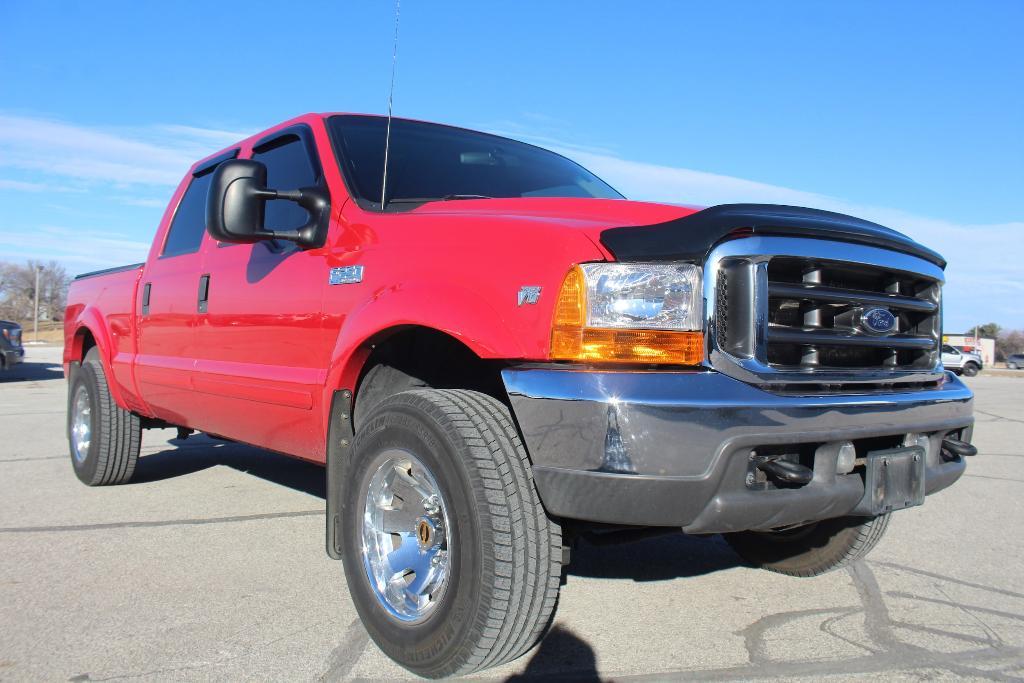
(671, 448)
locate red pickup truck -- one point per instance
(495, 354)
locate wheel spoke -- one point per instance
(406, 556)
(410, 482)
(398, 520)
(425, 574)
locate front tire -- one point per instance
(454, 566)
(970, 370)
(812, 549)
(103, 438)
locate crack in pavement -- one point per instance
(998, 418)
(950, 579)
(983, 476)
(169, 522)
(45, 457)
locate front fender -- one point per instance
(452, 309)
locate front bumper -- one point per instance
(672, 448)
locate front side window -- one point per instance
(289, 167)
(189, 223)
(429, 162)
(946, 348)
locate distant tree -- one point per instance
(988, 330)
(18, 289)
(1009, 341)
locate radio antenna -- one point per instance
(391, 96)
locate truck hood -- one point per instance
(646, 231)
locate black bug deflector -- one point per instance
(693, 237)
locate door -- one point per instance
(260, 346)
(166, 307)
(951, 357)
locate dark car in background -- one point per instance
(11, 350)
(1015, 361)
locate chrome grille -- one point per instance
(793, 313)
(815, 310)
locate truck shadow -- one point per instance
(561, 656)
(661, 558)
(30, 371)
(200, 452)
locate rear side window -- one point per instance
(289, 167)
(189, 223)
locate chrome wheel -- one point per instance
(81, 423)
(406, 542)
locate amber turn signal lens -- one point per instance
(571, 307)
(627, 346)
(571, 339)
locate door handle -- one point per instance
(204, 293)
(145, 298)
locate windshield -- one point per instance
(429, 162)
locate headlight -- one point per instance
(630, 313)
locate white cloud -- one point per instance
(141, 201)
(24, 186)
(157, 155)
(81, 250)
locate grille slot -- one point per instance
(809, 317)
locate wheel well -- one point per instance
(84, 341)
(422, 357)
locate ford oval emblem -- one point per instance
(878, 321)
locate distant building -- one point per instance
(985, 346)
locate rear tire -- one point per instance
(500, 552)
(1012, 366)
(103, 438)
(812, 549)
(970, 370)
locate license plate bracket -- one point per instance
(893, 479)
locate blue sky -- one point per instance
(909, 114)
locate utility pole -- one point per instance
(35, 316)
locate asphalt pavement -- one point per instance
(210, 566)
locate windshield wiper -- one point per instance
(446, 198)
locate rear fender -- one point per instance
(90, 320)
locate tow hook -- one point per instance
(954, 449)
(786, 471)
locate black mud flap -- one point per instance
(894, 479)
(339, 446)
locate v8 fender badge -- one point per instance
(878, 321)
(529, 294)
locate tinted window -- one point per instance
(288, 168)
(946, 348)
(189, 224)
(429, 161)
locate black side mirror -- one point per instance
(237, 199)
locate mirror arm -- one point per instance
(314, 200)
